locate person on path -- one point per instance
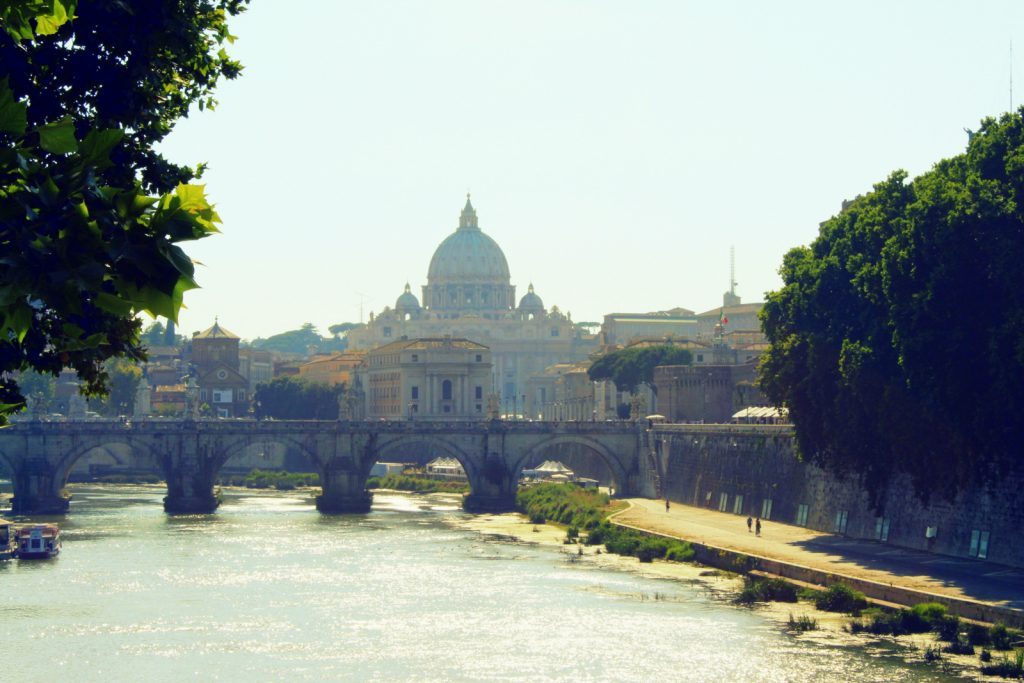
(666, 505)
(757, 526)
(749, 522)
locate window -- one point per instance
(447, 409)
(723, 501)
(222, 396)
(479, 358)
(801, 514)
(479, 393)
(882, 528)
(446, 391)
(415, 392)
(700, 357)
(840, 526)
(766, 508)
(415, 358)
(979, 544)
(737, 505)
(241, 394)
(478, 408)
(554, 331)
(387, 331)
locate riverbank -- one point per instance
(829, 628)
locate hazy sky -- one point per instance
(615, 150)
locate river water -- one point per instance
(268, 589)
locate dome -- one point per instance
(531, 302)
(468, 255)
(407, 301)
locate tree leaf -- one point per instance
(12, 113)
(58, 137)
(95, 148)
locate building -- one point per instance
(221, 386)
(433, 378)
(332, 369)
(469, 295)
(256, 366)
(706, 393)
(620, 329)
(734, 319)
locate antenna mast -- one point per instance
(1011, 75)
(732, 270)
(362, 300)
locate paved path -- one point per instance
(916, 570)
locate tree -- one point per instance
(83, 100)
(124, 378)
(631, 367)
(342, 329)
(897, 340)
(290, 398)
(300, 341)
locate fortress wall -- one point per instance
(704, 465)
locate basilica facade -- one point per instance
(469, 294)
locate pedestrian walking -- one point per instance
(750, 521)
(757, 526)
(666, 505)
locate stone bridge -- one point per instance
(190, 453)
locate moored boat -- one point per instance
(7, 543)
(37, 541)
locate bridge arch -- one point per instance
(239, 445)
(438, 443)
(67, 460)
(607, 456)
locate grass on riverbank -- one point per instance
(404, 482)
(267, 479)
(585, 511)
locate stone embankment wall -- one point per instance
(713, 466)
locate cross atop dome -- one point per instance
(468, 218)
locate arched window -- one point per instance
(446, 390)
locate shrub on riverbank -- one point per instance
(267, 479)
(1007, 668)
(566, 504)
(403, 482)
(584, 510)
(766, 590)
(840, 598)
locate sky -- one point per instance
(614, 150)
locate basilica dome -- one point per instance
(468, 256)
(407, 301)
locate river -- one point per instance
(267, 589)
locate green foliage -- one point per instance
(895, 623)
(563, 503)
(342, 329)
(1001, 637)
(300, 341)
(629, 368)
(124, 378)
(959, 647)
(85, 94)
(585, 509)
(840, 598)
(404, 482)
(291, 398)
(896, 339)
(766, 590)
(269, 479)
(931, 612)
(1006, 668)
(803, 623)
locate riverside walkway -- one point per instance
(970, 588)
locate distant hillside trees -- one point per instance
(301, 340)
(629, 368)
(897, 340)
(291, 398)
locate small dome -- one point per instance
(407, 301)
(530, 301)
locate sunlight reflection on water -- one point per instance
(268, 589)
